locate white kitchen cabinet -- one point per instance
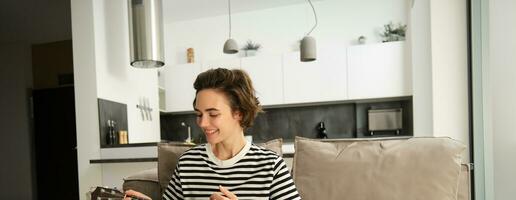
(161, 90)
(320, 80)
(358, 72)
(179, 81)
(378, 70)
(267, 76)
(228, 63)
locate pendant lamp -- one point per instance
(230, 46)
(308, 48)
(146, 33)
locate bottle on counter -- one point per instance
(109, 137)
(114, 132)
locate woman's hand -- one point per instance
(224, 194)
(130, 194)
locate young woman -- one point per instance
(228, 167)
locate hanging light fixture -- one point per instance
(308, 49)
(146, 33)
(230, 46)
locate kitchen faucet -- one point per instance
(321, 131)
(189, 138)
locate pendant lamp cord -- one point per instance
(315, 15)
(229, 9)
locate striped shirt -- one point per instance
(254, 173)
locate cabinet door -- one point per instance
(378, 70)
(179, 81)
(229, 63)
(320, 80)
(267, 76)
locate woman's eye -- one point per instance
(198, 116)
(214, 115)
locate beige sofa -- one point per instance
(354, 169)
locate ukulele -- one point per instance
(104, 193)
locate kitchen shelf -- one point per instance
(123, 160)
(129, 145)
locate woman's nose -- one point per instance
(202, 121)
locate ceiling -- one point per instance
(35, 21)
(40, 21)
(177, 10)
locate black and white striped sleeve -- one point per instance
(282, 187)
(174, 190)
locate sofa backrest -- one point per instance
(169, 153)
(387, 169)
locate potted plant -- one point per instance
(250, 48)
(394, 32)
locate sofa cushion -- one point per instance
(274, 145)
(145, 175)
(169, 153)
(387, 169)
(145, 182)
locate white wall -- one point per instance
(86, 111)
(16, 145)
(421, 68)
(502, 106)
(450, 70)
(440, 75)
(116, 79)
(102, 70)
(279, 29)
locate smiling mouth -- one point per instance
(210, 132)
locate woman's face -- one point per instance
(214, 116)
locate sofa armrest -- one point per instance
(464, 190)
(145, 182)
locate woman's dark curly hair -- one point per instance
(237, 86)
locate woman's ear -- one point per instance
(237, 115)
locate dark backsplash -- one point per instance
(110, 110)
(342, 120)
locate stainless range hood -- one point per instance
(146, 33)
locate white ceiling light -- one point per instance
(308, 48)
(230, 46)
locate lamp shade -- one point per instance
(308, 49)
(146, 33)
(230, 46)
